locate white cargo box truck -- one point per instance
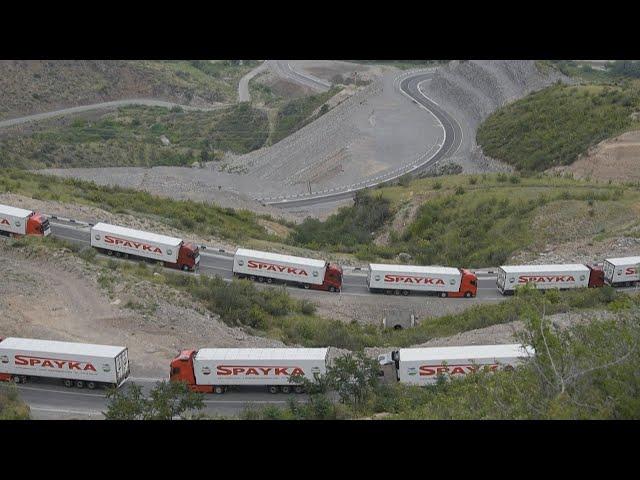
(542, 276)
(276, 266)
(622, 271)
(135, 242)
(422, 366)
(18, 221)
(216, 369)
(79, 364)
(442, 281)
(413, 277)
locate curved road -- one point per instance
(409, 87)
(103, 106)
(53, 401)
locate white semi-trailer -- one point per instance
(301, 271)
(423, 366)
(213, 370)
(18, 221)
(402, 279)
(122, 241)
(79, 364)
(622, 272)
(546, 277)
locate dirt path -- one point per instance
(243, 86)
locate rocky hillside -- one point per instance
(34, 86)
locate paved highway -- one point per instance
(50, 400)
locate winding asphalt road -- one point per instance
(409, 86)
(49, 400)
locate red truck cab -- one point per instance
(38, 224)
(468, 285)
(332, 279)
(188, 256)
(596, 276)
(182, 371)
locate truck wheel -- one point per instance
(298, 389)
(91, 385)
(79, 384)
(332, 289)
(273, 389)
(16, 379)
(68, 383)
(467, 294)
(185, 268)
(285, 389)
(443, 294)
(405, 292)
(218, 390)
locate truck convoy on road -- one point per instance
(75, 364)
(423, 366)
(304, 272)
(321, 275)
(126, 242)
(547, 277)
(214, 370)
(16, 222)
(441, 281)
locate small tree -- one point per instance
(354, 377)
(166, 401)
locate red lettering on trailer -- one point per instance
(413, 279)
(272, 267)
(3, 221)
(131, 244)
(257, 370)
(432, 370)
(546, 278)
(630, 271)
(53, 363)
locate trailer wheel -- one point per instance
(405, 292)
(16, 379)
(298, 389)
(307, 286)
(91, 385)
(396, 292)
(252, 278)
(273, 389)
(68, 383)
(443, 294)
(79, 384)
(218, 390)
(467, 294)
(110, 253)
(261, 279)
(269, 280)
(285, 389)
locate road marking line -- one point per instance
(63, 392)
